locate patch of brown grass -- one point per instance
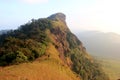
(46, 69)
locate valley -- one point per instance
(111, 67)
(105, 49)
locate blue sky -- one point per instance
(102, 15)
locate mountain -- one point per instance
(47, 48)
(3, 31)
(101, 44)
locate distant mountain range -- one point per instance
(101, 44)
(3, 31)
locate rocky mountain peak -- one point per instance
(58, 16)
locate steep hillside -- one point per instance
(101, 44)
(50, 42)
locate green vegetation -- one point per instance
(87, 69)
(25, 44)
(73, 41)
(83, 65)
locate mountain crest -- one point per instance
(58, 16)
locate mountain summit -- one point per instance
(58, 16)
(54, 50)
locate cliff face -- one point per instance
(33, 40)
(62, 37)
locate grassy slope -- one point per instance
(43, 68)
(111, 67)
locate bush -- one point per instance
(20, 57)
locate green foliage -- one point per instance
(7, 58)
(20, 57)
(24, 44)
(72, 39)
(88, 69)
(39, 51)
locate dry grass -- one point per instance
(42, 69)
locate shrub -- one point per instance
(20, 57)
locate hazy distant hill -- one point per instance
(3, 31)
(101, 44)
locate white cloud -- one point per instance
(34, 1)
